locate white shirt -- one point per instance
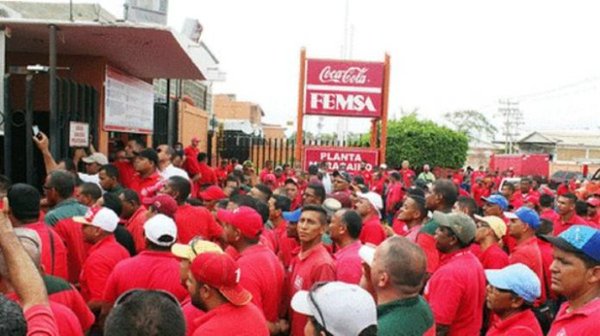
(171, 170)
(89, 178)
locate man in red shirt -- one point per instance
(98, 226)
(134, 215)
(508, 191)
(146, 180)
(368, 206)
(24, 211)
(496, 205)
(511, 291)
(214, 286)
(344, 230)
(221, 172)
(341, 188)
(456, 291)
(593, 214)
(190, 164)
(191, 220)
(395, 195)
(261, 272)
(268, 169)
(277, 206)
(490, 230)
(547, 208)
(366, 174)
(293, 193)
(566, 212)
(207, 174)
(125, 164)
(575, 275)
(523, 224)
(290, 246)
(313, 264)
(408, 175)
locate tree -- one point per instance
(472, 123)
(423, 141)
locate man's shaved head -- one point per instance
(405, 263)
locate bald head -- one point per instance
(404, 262)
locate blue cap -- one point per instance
(292, 216)
(526, 215)
(579, 239)
(517, 278)
(498, 200)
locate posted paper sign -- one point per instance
(79, 134)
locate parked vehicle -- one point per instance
(562, 176)
(521, 164)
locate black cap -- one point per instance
(149, 154)
(343, 174)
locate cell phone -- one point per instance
(36, 130)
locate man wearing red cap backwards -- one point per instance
(261, 272)
(213, 283)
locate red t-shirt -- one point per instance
(145, 186)
(262, 275)
(308, 268)
(348, 264)
(147, 270)
(372, 231)
(230, 320)
(366, 175)
(40, 321)
(54, 253)
(221, 173)
(549, 214)
(427, 243)
(103, 258)
(67, 322)
(522, 323)
(135, 226)
(493, 257)
(561, 225)
(190, 165)
(288, 249)
(580, 322)
(76, 247)
(195, 221)
(528, 253)
(456, 293)
(547, 249)
(208, 175)
(60, 291)
(126, 172)
(191, 314)
(394, 196)
(408, 176)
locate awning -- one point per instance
(142, 51)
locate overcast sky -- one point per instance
(446, 55)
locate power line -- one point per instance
(512, 121)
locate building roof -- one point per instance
(55, 11)
(578, 138)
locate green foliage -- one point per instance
(423, 141)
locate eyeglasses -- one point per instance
(127, 295)
(314, 302)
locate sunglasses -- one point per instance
(127, 295)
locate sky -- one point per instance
(445, 55)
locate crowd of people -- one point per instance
(157, 242)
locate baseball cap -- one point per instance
(343, 197)
(246, 219)
(498, 200)
(367, 253)
(533, 199)
(331, 205)
(212, 193)
(462, 225)
(344, 174)
(578, 239)
(97, 157)
(526, 215)
(194, 248)
(161, 230)
(593, 201)
(163, 204)
(373, 198)
(517, 278)
(220, 271)
(270, 178)
(342, 309)
(292, 216)
(495, 223)
(291, 180)
(100, 217)
(383, 166)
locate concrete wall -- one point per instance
(226, 107)
(193, 121)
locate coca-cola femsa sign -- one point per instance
(344, 88)
(334, 156)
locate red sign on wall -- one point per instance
(344, 88)
(334, 156)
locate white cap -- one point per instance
(345, 309)
(367, 253)
(373, 198)
(158, 226)
(103, 218)
(97, 157)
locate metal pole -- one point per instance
(54, 135)
(7, 128)
(170, 117)
(28, 129)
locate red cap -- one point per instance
(220, 271)
(212, 193)
(246, 219)
(163, 204)
(593, 201)
(270, 178)
(532, 199)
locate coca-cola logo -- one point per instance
(351, 75)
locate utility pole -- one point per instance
(512, 120)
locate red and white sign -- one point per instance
(334, 156)
(344, 88)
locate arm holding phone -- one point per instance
(42, 143)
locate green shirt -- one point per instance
(117, 190)
(66, 209)
(405, 317)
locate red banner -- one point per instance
(344, 88)
(334, 156)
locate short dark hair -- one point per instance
(150, 154)
(113, 202)
(319, 190)
(90, 189)
(468, 203)
(12, 320)
(264, 189)
(546, 200)
(448, 190)
(358, 179)
(24, 201)
(146, 312)
(182, 186)
(420, 202)
(313, 169)
(570, 196)
(282, 203)
(63, 182)
(130, 196)
(202, 156)
(581, 208)
(353, 223)
(243, 200)
(110, 170)
(263, 210)
(509, 186)
(320, 210)
(232, 178)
